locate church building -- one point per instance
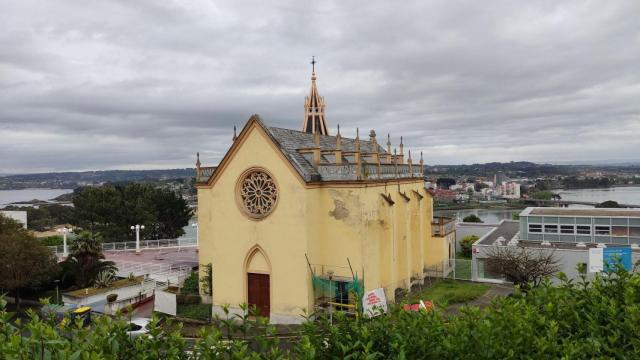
(303, 221)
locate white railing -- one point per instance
(163, 273)
(144, 244)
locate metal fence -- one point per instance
(458, 269)
(163, 273)
(144, 244)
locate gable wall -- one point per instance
(227, 234)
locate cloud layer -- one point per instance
(146, 84)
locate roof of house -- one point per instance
(581, 212)
(507, 229)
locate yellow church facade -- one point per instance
(287, 211)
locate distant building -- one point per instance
(444, 195)
(569, 232)
(509, 190)
(19, 216)
(499, 178)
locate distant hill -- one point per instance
(71, 180)
(517, 169)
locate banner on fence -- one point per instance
(165, 302)
(374, 302)
(596, 261)
(601, 259)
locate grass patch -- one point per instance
(448, 292)
(194, 311)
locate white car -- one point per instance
(138, 327)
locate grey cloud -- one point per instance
(122, 84)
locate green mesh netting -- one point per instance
(333, 288)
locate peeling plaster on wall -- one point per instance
(340, 212)
(345, 202)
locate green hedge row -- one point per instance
(574, 320)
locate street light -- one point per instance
(137, 229)
(64, 231)
(57, 291)
(195, 225)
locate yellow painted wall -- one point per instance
(227, 235)
(328, 222)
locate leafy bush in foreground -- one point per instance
(575, 320)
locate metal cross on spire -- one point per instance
(313, 64)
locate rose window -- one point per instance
(258, 194)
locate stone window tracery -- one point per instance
(258, 194)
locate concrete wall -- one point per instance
(568, 259)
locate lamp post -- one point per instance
(137, 229)
(195, 225)
(57, 291)
(64, 231)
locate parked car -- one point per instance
(138, 327)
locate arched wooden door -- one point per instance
(258, 292)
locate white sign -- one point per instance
(165, 302)
(596, 262)
(374, 302)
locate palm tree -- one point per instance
(86, 259)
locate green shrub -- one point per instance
(466, 245)
(188, 299)
(53, 240)
(194, 311)
(597, 319)
(191, 283)
(472, 219)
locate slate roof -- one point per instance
(290, 141)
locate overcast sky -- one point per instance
(145, 84)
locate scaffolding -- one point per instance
(335, 288)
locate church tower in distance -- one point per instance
(314, 108)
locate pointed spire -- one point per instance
(198, 166)
(235, 136)
(409, 159)
(389, 143)
(314, 107)
(338, 139)
(357, 139)
(421, 161)
(401, 146)
(374, 143)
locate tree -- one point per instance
(112, 209)
(608, 204)
(542, 195)
(85, 261)
(473, 218)
(444, 183)
(522, 266)
(23, 260)
(466, 245)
